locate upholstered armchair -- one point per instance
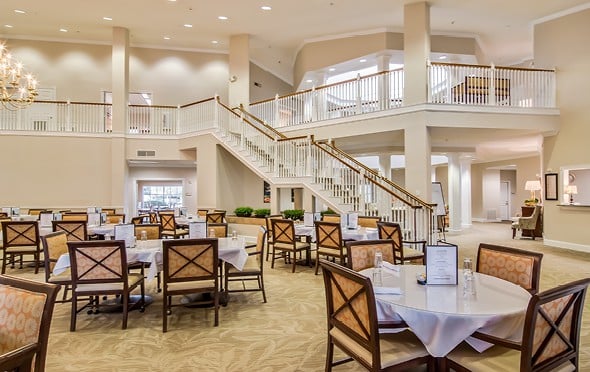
(527, 223)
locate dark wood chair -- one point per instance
(33, 302)
(99, 268)
(353, 326)
(154, 217)
(138, 220)
(20, 238)
(403, 253)
(215, 217)
(550, 339)
(329, 242)
(514, 265)
(285, 242)
(527, 224)
(115, 218)
(361, 253)
(190, 266)
(36, 211)
(331, 218)
(75, 230)
(152, 231)
(368, 221)
(219, 229)
(55, 244)
(169, 228)
(253, 269)
(269, 239)
(74, 216)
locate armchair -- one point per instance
(527, 223)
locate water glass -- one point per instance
(212, 233)
(378, 270)
(234, 235)
(143, 235)
(468, 278)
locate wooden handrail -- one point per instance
(291, 138)
(75, 103)
(244, 120)
(496, 67)
(196, 103)
(154, 106)
(260, 121)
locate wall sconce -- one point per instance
(233, 79)
(571, 190)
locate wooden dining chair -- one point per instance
(4, 215)
(109, 211)
(115, 218)
(550, 338)
(269, 239)
(285, 242)
(20, 238)
(215, 217)
(74, 216)
(253, 268)
(219, 229)
(331, 218)
(154, 217)
(515, 265)
(361, 253)
(152, 231)
(190, 266)
(27, 308)
(36, 211)
(402, 252)
(138, 220)
(75, 230)
(329, 242)
(353, 326)
(169, 228)
(368, 221)
(99, 268)
(55, 244)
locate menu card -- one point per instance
(15, 211)
(93, 219)
(308, 219)
(125, 232)
(317, 216)
(441, 264)
(45, 219)
(353, 220)
(91, 210)
(197, 230)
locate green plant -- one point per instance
(243, 211)
(262, 212)
(293, 214)
(328, 211)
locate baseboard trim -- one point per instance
(485, 220)
(567, 245)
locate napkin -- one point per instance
(387, 290)
(390, 266)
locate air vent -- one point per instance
(146, 153)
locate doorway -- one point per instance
(504, 207)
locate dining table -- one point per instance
(441, 316)
(358, 233)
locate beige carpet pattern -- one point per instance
(286, 334)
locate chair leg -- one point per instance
(261, 285)
(74, 311)
(329, 355)
(294, 260)
(125, 309)
(216, 309)
(165, 313)
(317, 263)
(513, 233)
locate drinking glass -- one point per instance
(234, 235)
(468, 278)
(212, 233)
(378, 269)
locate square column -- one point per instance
(418, 164)
(239, 70)
(455, 191)
(416, 52)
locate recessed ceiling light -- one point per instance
(308, 81)
(265, 7)
(107, 18)
(63, 30)
(187, 25)
(214, 42)
(166, 37)
(442, 57)
(363, 60)
(331, 69)
(223, 18)
(19, 11)
(8, 26)
(172, 1)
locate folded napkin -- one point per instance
(387, 290)
(390, 266)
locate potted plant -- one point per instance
(293, 214)
(327, 211)
(243, 211)
(262, 212)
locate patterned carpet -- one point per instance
(286, 334)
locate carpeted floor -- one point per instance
(286, 334)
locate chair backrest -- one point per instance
(393, 231)
(219, 228)
(20, 233)
(98, 261)
(551, 334)
(109, 210)
(115, 218)
(514, 265)
(36, 211)
(215, 217)
(75, 216)
(331, 218)
(259, 250)
(352, 313)
(153, 217)
(202, 213)
(269, 225)
(167, 221)
(328, 235)
(3, 215)
(368, 221)
(152, 230)
(137, 220)
(190, 259)
(75, 230)
(54, 244)
(32, 303)
(361, 253)
(283, 231)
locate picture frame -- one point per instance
(551, 186)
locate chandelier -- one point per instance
(17, 88)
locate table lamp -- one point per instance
(532, 186)
(571, 190)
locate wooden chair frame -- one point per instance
(51, 259)
(393, 231)
(75, 230)
(284, 240)
(329, 242)
(74, 216)
(218, 227)
(169, 227)
(368, 221)
(215, 217)
(269, 239)
(22, 358)
(19, 237)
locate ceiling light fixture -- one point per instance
(166, 37)
(363, 60)
(265, 7)
(214, 42)
(442, 57)
(223, 18)
(63, 30)
(17, 88)
(19, 11)
(107, 18)
(188, 25)
(331, 69)
(8, 26)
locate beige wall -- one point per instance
(563, 44)
(268, 84)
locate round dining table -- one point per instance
(441, 316)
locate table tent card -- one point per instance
(197, 230)
(57, 216)
(125, 232)
(45, 219)
(317, 216)
(441, 264)
(308, 219)
(183, 211)
(103, 218)
(15, 211)
(343, 221)
(353, 220)
(93, 219)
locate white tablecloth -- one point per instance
(361, 233)
(441, 317)
(150, 251)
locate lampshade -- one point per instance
(532, 185)
(571, 189)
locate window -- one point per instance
(161, 197)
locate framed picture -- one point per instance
(266, 192)
(551, 186)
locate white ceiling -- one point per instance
(503, 28)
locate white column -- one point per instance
(416, 52)
(384, 88)
(239, 70)
(385, 165)
(466, 192)
(454, 183)
(417, 152)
